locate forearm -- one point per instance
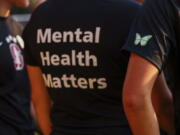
(40, 99)
(165, 115)
(163, 104)
(167, 124)
(42, 110)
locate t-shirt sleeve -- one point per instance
(152, 34)
(29, 51)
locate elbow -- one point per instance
(135, 103)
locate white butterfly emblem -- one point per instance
(142, 41)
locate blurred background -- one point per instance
(17, 10)
(22, 15)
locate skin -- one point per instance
(146, 98)
(162, 100)
(19, 3)
(40, 99)
(137, 97)
(6, 5)
(140, 1)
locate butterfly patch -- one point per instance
(142, 41)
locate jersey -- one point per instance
(155, 36)
(77, 45)
(15, 116)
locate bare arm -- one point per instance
(137, 90)
(40, 99)
(163, 104)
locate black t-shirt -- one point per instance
(14, 85)
(77, 45)
(155, 36)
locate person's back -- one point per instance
(77, 46)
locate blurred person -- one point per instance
(15, 117)
(154, 44)
(36, 3)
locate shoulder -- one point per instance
(121, 10)
(37, 17)
(41, 12)
(163, 5)
(161, 10)
(124, 4)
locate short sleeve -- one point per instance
(152, 35)
(29, 52)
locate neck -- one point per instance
(4, 8)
